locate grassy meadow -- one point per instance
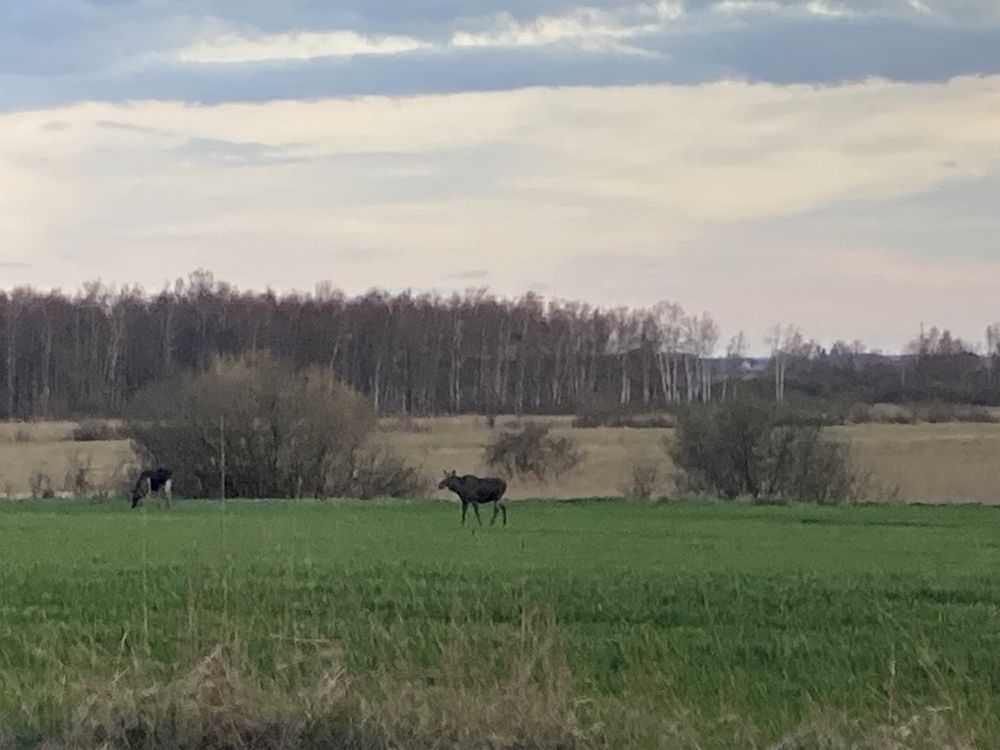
(581, 624)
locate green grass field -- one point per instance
(579, 625)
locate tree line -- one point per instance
(89, 353)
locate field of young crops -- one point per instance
(579, 625)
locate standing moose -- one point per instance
(150, 481)
(476, 490)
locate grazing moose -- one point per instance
(474, 490)
(150, 481)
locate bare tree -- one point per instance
(90, 352)
(992, 350)
(783, 340)
(13, 316)
(669, 317)
(735, 353)
(708, 339)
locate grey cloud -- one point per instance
(129, 128)
(379, 178)
(477, 275)
(415, 73)
(58, 51)
(924, 225)
(825, 51)
(233, 154)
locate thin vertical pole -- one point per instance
(222, 460)
(222, 492)
(145, 576)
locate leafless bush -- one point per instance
(375, 470)
(95, 430)
(529, 450)
(23, 435)
(287, 433)
(933, 413)
(78, 475)
(644, 481)
(938, 413)
(40, 485)
(116, 483)
(612, 414)
(406, 423)
(748, 449)
(881, 414)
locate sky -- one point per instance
(833, 164)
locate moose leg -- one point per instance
(475, 507)
(465, 507)
(503, 509)
(496, 512)
(166, 490)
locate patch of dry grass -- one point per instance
(57, 459)
(36, 432)
(933, 463)
(929, 463)
(521, 697)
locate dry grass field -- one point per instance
(929, 463)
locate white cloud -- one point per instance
(236, 48)
(585, 28)
(822, 8)
(735, 7)
(565, 187)
(588, 28)
(831, 10)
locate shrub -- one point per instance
(78, 474)
(644, 481)
(607, 414)
(936, 412)
(529, 450)
(40, 485)
(93, 430)
(287, 433)
(748, 449)
(377, 471)
(406, 423)
(940, 413)
(882, 414)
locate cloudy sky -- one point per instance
(830, 163)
